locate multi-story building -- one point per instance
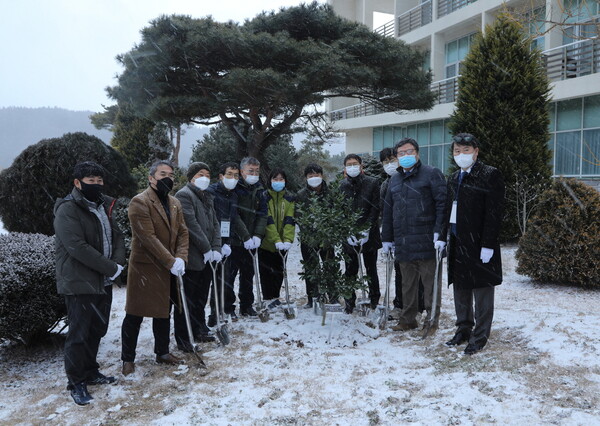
(445, 29)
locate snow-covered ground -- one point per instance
(541, 366)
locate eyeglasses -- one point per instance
(407, 152)
(459, 139)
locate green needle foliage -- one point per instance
(503, 99)
(327, 223)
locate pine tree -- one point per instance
(503, 100)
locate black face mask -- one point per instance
(91, 191)
(164, 186)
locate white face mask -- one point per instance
(313, 182)
(390, 168)
(251, 179)
(464, 161)
(229, 183)
(202, 182)
(353, 171)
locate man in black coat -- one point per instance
(362, 193)
(90, 254)
(473, 218)
(412, 221)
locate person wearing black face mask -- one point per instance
(90, 252)
(159, 251)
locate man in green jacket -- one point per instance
(90, 254)
(252, 210)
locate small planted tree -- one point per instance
(562, 242)
(327, 223)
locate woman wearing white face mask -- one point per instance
(205, 241)
(279, 236)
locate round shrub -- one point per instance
(562, 242)
(29, 304)
(43, 172)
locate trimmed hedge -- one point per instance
(29, 304)
(43, 172)
(562, 242)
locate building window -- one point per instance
(536, 26)
(456, 51)
(568, 153)
(568, 114)
(591, 152)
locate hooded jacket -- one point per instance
(281, 226)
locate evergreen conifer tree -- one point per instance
(503, 100)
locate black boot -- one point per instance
(80, 394)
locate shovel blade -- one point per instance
(263, 315)
(223, 336)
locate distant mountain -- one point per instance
(21, 127)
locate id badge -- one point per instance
(453, 213)
(225, 229)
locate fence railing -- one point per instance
(446, 90)
(386, 30)
(572, 60)
(448, 6)
(414, 18)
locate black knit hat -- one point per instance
(195, 168)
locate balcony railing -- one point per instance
(414, 18)
(446, 90)
(448, 6)
(572, 60)
(386, 30)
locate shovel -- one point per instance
(436, 289)
(188, 323)
(384, 312)
(263, 312)
(222, 331)
(364, 304)
(289, 309)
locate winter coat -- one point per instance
(81, 267)
(281, 226)
(302, 199)
(201, 220)
(155, 243)
(382, 192)
(414, 211)
(226, 208)
(252, 211)
(362, 193)
(479, 212)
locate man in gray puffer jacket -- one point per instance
(413, 215)
(90, 252)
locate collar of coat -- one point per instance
(475, 170)
(153, 197)
(411, 172)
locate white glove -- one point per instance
(439, 245)
(257, 241)
(388, 247)
(178, 267)
(436, 236)
(287, 246)
(365, 238)
(208, 257)
(249, 244)
(486, 254)
(225, 250)
(280, 246)
(216, 256)
(119, 270)
(352, 241)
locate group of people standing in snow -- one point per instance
(227, 223)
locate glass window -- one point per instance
(397, 134)
(388, 137)
(436, 156)
(568, 153)
(424, 154)
(568, 115)
(591, 152)
(448, 138)
(591, 111)
(552, 114)
(436, 132)
(423, 133)
(452, 52)
(377, 139)
(411, 132)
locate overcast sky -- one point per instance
(62, 52)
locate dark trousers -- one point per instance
(196, 285)
(88, 316)
(241, 261)
(398, 285)
(311, 256)
(161, 328)
(370, 263)
(412, 272)
(270, 266)
(480, 317)
(229, 302)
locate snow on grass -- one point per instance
(541, 366)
